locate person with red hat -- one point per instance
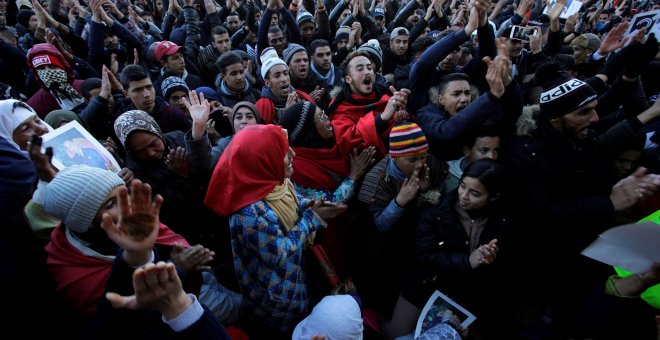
(59, 89)
(172, 58)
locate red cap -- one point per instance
(165, 48)
(46, 59)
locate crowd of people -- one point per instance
(298, 169)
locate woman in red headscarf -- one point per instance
(270, 224)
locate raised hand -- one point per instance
(137, 227)
(397, 102)
(360, 162)
(569, 25)
(555, 11)
(199, 109)
(614, 39)
(536, 40)
(498, 75)
(156, 286)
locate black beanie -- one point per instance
(298, 120)
(23, 17)
(562, 93)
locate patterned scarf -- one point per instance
(224, 89)
(57, 82)
(183, 76)
(285, 203)
(329, 79)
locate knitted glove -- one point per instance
(645, 53)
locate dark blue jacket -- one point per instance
(445, 132)
(424, 73)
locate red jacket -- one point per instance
(355, 124)
(267, 108)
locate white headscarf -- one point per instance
(337, 317)
(13, 113)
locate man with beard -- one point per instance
(325, 72)
(277, 94)
(398, 53)
(295, 56)
(560, 173)
(219, 45)
(363, 102)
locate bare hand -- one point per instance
(409, 190)
(211, 131)
(114, 64)
(199, 109)
(485, 254)
(317, 94)
(292, 98)
(614, 39)
(137, 227)
(360, 162)
(177, 162)
(194, 258)
(110, 145)
(42, 161)
(536, 40)
(555, 11)
(156, 286)
(127, 175)
(424, 179)
(328, 210)
(397, 102)
(628, 191)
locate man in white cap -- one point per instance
(277, 94)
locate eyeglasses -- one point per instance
(322, 119)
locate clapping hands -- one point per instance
(485, 254)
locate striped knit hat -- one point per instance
(407, 139)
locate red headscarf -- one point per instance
(249, 169)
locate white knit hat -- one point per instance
(76, 194)
(269, 59)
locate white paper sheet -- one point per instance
(632, 247)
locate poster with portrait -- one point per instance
(72, 145)
(438, 309)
